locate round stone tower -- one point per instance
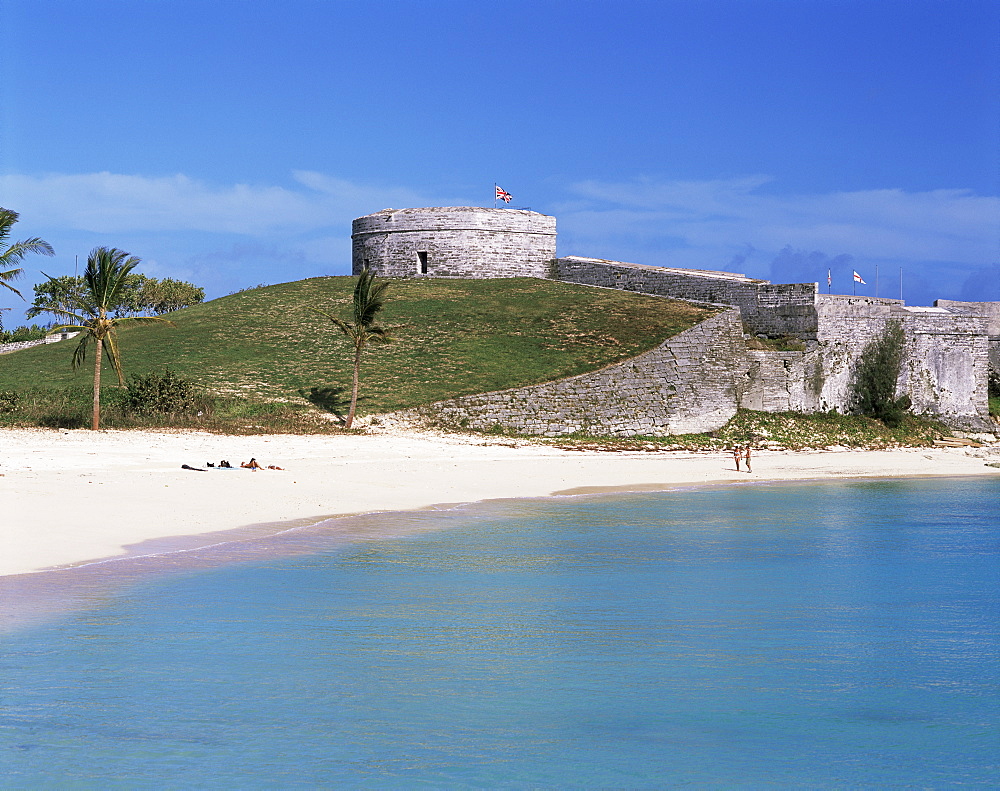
(455, 241)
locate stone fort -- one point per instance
(694, 381)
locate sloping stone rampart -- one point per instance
(767, 308)
(687, 384)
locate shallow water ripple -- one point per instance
(822, 636)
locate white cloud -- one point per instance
(716, 218)
(703, 222)
(119, 203)
(259, 232)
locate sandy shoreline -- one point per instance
(77, 496)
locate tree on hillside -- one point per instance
(12, 253)
(62, 293)
(104, 281)
(167, 295)
(138, 295)
(369, 299)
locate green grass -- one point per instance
(995, 406)
(71, 407)
(792, 430)
(455, 337)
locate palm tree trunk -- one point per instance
(96, 422)
(354, 388)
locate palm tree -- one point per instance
(11, 253)
(369, 299)
(104, 281)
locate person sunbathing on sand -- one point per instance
(254, 465)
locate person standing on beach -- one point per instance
(737, 455)
(748, 459)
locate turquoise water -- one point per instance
(824, 636)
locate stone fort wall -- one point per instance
(767, 308)
(696, 381)
(459, 241)
(688, 384)
(947, 351)
(991, 310)
(7, 348)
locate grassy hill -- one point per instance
(455, 337)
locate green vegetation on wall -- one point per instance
(875, 377)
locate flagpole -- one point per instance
(876, 281)
(494, 194)
(901, 284)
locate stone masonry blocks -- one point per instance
(464, 241)
(688, 384)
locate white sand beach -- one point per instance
(74, 496)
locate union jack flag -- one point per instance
(503, 195)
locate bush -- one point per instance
(9, 400)
(164, 393)
(876, 374)
(23, 333)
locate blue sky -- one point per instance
(232, 143)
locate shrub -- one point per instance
(876, 374)
(23, 333)
(9, 399)
(164, 393)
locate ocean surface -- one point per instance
(836, 635)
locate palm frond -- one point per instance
(69, 328)
(10, 275)
(369, 298)
(12, 254)
(111, 352)
(7, 219)
(66, 314)
(340, 324)
(107, 269)
(80, 352)
(381, 334)
(17, 251)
